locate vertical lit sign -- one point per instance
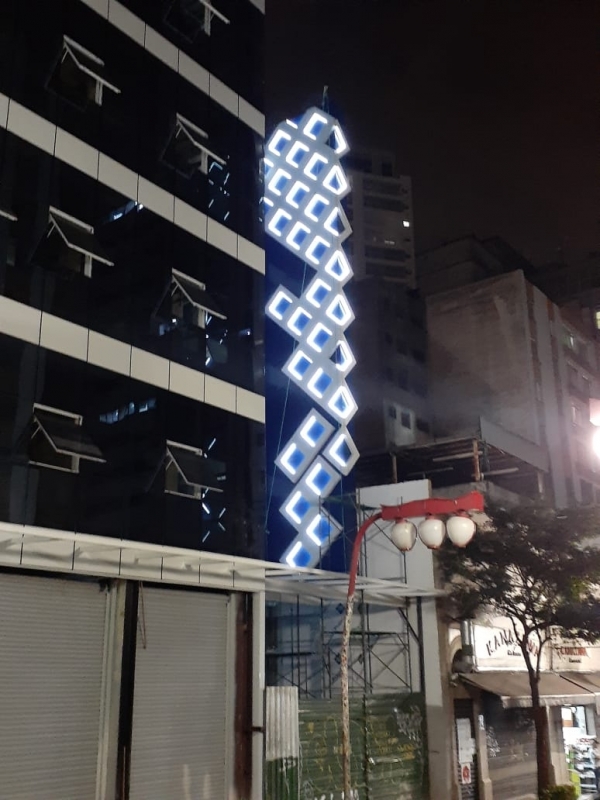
(304, 187)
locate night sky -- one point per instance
(491, 106)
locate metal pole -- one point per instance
(360, 535)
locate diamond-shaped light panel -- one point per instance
(305, 184)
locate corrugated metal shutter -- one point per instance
(180, 731)
(51, 647)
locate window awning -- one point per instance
(88, 63)
(196, 294)
(195, 135)
(513, 689)
(590, 681)
(7, 214)
(66, 436)
(195, 469)
(78, 238)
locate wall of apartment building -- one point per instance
(480, 358)
(390, 378)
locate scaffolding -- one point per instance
(303, 639)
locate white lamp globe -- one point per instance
(404, 535)
(432, 532)
(460, 529)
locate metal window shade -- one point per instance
(79, 239)
(193, 133)
(66, 437)
(196, 295)
(90, 66)
(51, 656)
(180, 731)
(197, 470)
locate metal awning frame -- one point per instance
(29, 547)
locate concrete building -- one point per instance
(502, 352)
(131, 406)
(380, 211)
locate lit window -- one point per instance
(186, 150)
(190, 17)
(58, 440)
(189, 473)
(597, 317)
(79, 75)
(69, 245)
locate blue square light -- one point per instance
(322, 383)
(301, 507)
(322, 338)
(301, 366)
(315, 431)
(296, 459)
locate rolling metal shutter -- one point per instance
(180, 709)
(51, 656)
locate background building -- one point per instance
(501, 351)
(131, 407)
(380, 211)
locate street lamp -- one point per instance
(432, 530)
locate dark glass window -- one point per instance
(405, 420)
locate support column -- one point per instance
(258, 693)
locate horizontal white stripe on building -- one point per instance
(46, 136)
(154, 43)
(54, 333)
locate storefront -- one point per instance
(499, 686)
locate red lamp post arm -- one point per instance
(416, 508)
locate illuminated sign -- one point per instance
(304, 188)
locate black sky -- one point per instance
(492, 106)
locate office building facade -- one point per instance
(131, 399)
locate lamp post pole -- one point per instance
(415, 508)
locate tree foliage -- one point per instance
(540, 568)
(535, 565)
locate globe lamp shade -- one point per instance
(404, 535)
(460, 529)
(432, 532)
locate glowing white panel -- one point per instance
(318, 337)
(305, 184)
(341, 145)
(342, 404)
(296, 236)
(317, 249)
(343, 357)
(299, 365)
(315, 123)
(296, 153)
(314, 203)
(336, 181)
(278, 142)
(339, 311)
(338, 267)
(342, 452)
(279, 222)
(278, 181)
(298, 320)
(316, 164)
(319, 383)
(318, 292)
(297, 193)
(280, 303)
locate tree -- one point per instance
(538, 567)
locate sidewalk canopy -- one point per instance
(513, 689)
(590, 681)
